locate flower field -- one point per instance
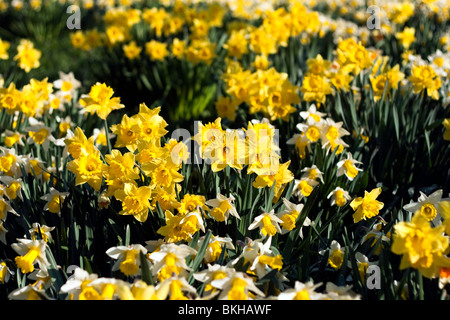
(224, 150)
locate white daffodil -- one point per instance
(289, 217)
(335, 255)
(5, 273)
(214, 248)
(10, 162)
(55, 200)
(312, 173)
(3, 232)
(267, 222)
(178, 287)
(332, 134)
(339, 197)
(67, 85)
(41, 231)
(334, 292)
(30, 252)
(213, 272)
(348, 167)
(238, 286)
(41, 135)
(30, 292)
(426, 205)
(73, 286)
(170, 259)
(5, 208)
(140, 290)
(127, 258)
(312, 113)
(303, 187)
(222, 207)
(11, 187)
(302, 291)
(362, 263)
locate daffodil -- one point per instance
(348, 167)
(127, 258)
(213, 272)
(268, 223)
(335, 255)
(339, 197)
(43, 232)
(140, 290)
(27, 55)
(100, 101)
(179, 287)
(55, 200)
(215, 246)
(30, 252)
(222, 207)
(5, 273)
(290, 215)
(366, 207)
(77, 282)
(135, 201)
(302, 291)
(88, 169)
(422, 247)
(426, 205)
(237, 286)
(171, 259)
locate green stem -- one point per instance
(107, 136)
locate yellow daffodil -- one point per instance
(366, 207)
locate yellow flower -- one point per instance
(178, 46)
(100, 102)
(226, 108)
(54, 200)
(406, 37)
(156, 50)
(131, 50)
(125, 132)
(318, 65)
(424, 77)
(4, 46)
(268, 223)
(88, 169)
(281, 177)
(128, 258)
(237, 44)
(27, 55)
(446, 124)
(421, 246)
(315, 88)
(135, 201)
(78, 145)
(366, 207)
(30, 252)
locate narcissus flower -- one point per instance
(88, 169)
(366, 207)
(54, 200)
(339, 197)
(426, 205)
(267, 222)
(215, 246)
(135, 201)
(422, 247)
(222, 207)
(238, 286)
(424, 77)
(170, 259)
(27, 55)
(127, 258)
(335, 255)
(347, 167)
(100, 101)
(302, 291)
(30, 252)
